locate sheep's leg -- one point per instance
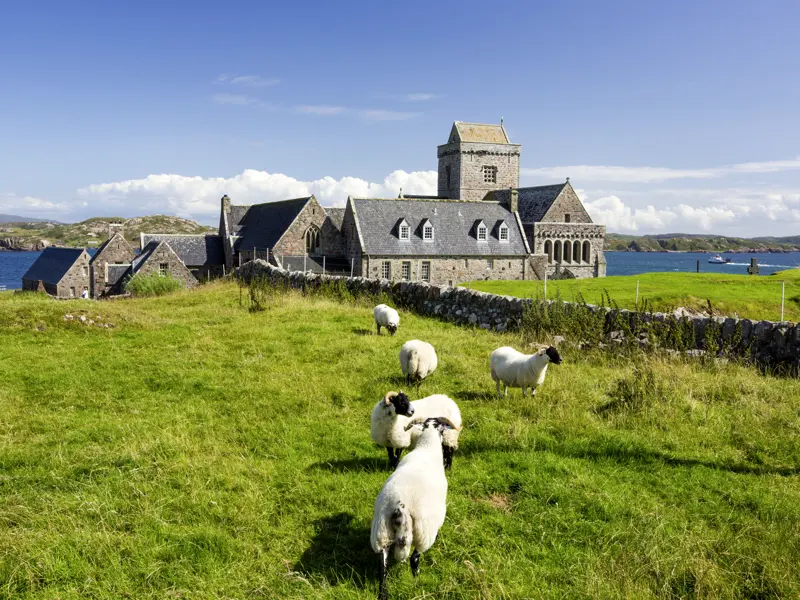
(447, 456)
(397, 453)
(506, 394)
(533, 391)
(415, 562)
(392, 461)
(383, 567)
(378, 325)
(499, 395)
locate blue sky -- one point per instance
(666, 116)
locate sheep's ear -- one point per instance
(387, 399)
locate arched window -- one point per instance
(557, 251)
(548, 249)
(587, 252)
(567, 251)
(312, 240)
(576, 251)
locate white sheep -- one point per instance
(515, 369)
(386, 316)
(417, 360)
(411, 506)
(391, 415)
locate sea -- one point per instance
(14, 264)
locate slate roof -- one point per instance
(479, 132)
(336, 216)
(193, 250)
(534, 202)
(262, 225)
(147, 250)
(116, 273)
(453, 222)
(53, 264)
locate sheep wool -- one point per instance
(386, 316)
(417, 360)
(514, 369)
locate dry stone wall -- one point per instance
(768, 343)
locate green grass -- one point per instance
(749, 297)
(200, 450)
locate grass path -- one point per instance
(196, 450)
(749, 297)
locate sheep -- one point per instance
(411, 506)
(386, 316)
(417, 360)
(392, 414)
(515, 369)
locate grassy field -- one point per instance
(198, 450)
(746, 296)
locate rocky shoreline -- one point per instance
(15, 244)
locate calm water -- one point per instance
(14, 264)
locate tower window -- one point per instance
(566, 218)
(489, 174)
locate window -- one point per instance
(72, 292)
(426, 271)
(466, 263)
(447, 174)
(404, 230)
(427, 232)
(489, 263)
(489, 174)
(548, 249)
(481, 232)
(587, 252)
(386, 269)
(312, 240)
(163, 268)
(406, 270)
(566, 218)
(502, 232)
(86, 270)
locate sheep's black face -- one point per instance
(553, 355)
(402, 405)
(392, 329)
(434, 423)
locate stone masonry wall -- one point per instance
(544, 236)
(451, 270)
(163, 254)
(767, 342)
(77, 278)
(117, 251)
(293, 241)
(567, 203)
(467, 160)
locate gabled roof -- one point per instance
(478, 132)
(116, 273)
(53, 264)
(534, 202)
(336, 215)
(193, 250)
(262, 225)
(146, 252)
(107, 242)
(452, 221)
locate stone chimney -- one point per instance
(115, 228)
(226, 203)
(513, 200)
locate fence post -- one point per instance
(783, 296)
(305, 256)
(545, 283)
(223, 270)
(240, 258)
(254, 253)
(352, 264)
(267, 255)
(323, 265)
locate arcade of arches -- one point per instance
(567, 252)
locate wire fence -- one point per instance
(306, 263)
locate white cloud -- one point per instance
(326, 110)
(198, 197)
(27, 206)
(596, 173)
(246, 80)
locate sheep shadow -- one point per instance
(349, 465)
(473, 395)
(362, 331)
(339, 551)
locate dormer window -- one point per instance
(481, 232)
(427, 231)
(502, 232)
(404, 230)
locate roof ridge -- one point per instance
(273, 202)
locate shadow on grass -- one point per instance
(340, 551)
(349, 465)
(362, 331)
(630, 454)
(473, 395)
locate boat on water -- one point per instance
(718, 260)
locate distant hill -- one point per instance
(91, 232)
(18, 219)
(690, 242)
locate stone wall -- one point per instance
(766, 342)
(567, 203)
(116, 252)
(163, 254)
(76, 279)
(452, 270)
(548, 238)
(466, 161)
(293, 241)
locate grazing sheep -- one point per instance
(515, 369)
(417, 360)
(412, 504)
(386, 316)
(391, 415)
